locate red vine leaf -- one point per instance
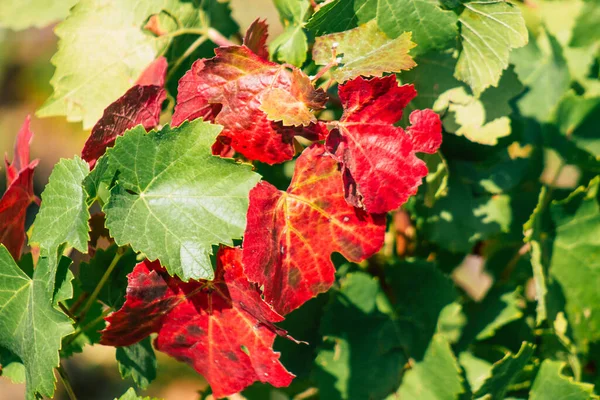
(19, 193)
(222, 328)
(256, 38)
(381, 170)
(139, 105)
(290, 235)
(229, 90)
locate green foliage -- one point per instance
(30, 327)
(486, 281)
(188, 199)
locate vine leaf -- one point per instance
(550, 383)
(186, 199)
(437, 376)
(290, 235)
(89, 78)
(29, 326)
(504, 372)
(378, 159)
(63, 216)
(364, 50)
(431, 26)
(222, 328)
(19, 193)
(291, 45)
(139, 105)
(230, 88)
(138, 361)
(489, 30)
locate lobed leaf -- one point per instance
(489, 30)
(230, 89)
(173, 200)
(380, 168)
(365, 51)
(29, 326)
(222, 328)
(291, 235)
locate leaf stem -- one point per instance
(217, 38)
(96, 292)
(65, 380)
(197, 43)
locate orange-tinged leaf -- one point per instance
(290, 235)
(256, 38)
(229, 89)
(222, 328)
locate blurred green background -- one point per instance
(25, 72)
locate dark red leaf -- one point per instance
(256, 38)
(140, 105)
(381, 170)
(229, 89)
(222, 328)
(290, 235)
(19, 193)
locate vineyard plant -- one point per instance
(383, 199)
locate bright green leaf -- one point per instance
(587, 28)
(550, 383)
(29, 325)
(103, 49)
(173, 199)
(290, 47)
(490, 29)
(63, 216)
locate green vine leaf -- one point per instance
(173, 199)
(30, 327)
(364, 50)
(436, 377)
(63, 216)
(103, 50)
(138, 361)
(550, 383)
(431, 26)
(504, 372)
(489, 30)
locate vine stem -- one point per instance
(66, 382)
(79, 331)
(217, 38)
(96, 292)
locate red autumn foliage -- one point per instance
(290, 235)
(381, 170)
(222, 328)
(228, 90)
(19, 193)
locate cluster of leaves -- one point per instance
(275, 196)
